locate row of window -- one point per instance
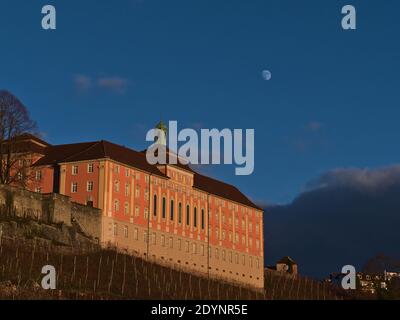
(90, 169)
(127, 188)
(243, 223)
(129, 173)
(218, 202)
(127, 209)
(89, 186)
(188, 247)
(180, 209)
(180, 177)
(222, 236)
(75, 169)
(218, 235)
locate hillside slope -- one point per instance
(108, 274)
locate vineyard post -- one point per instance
(99, 271)
(74, 270)
(298, 289)
(32, 260)
(123, 282)
(87, 269)
(61, 268)
(111, 276)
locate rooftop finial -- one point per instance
(163, 127)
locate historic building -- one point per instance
(169, 213)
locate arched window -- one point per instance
(187, 215)
(195, 217)
(180, 213)
(202, 219)
(171, 210)
(155, 205)
(164, 207)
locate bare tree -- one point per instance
(15, 122)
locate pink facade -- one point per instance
(165, 214)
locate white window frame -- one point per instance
(89, 186)
(90, 167)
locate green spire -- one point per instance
(163, 127)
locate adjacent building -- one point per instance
(168, 213)
(369, 283)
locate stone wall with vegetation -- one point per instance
(51, 209)
(87, 218)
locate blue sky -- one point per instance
(113, 69)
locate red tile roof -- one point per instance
(59, 153)
(96, 150)
(25, 143)
(104, 149)
(32, 138)
(222, 189)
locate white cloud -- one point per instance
(361, 179)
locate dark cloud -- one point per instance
(346, 217)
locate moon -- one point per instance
(267, 75)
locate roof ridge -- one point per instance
(229, 184)
(103, 147)
(72, 144)
(234, 188)
(121, 146)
